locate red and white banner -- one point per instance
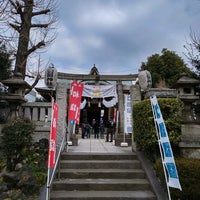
(52, 140)
(75, 101)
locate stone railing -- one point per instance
(40, 114)
(36, 111)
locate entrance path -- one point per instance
(97, 145)
(100, 146)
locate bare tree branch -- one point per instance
(35, 47)
(193, 50)
(28, 26)
(41, 12)
(16, 27)
(39, 25)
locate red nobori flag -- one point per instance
(52, 141)
(75, 101)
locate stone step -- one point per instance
(96, 176)
(102, 173)
(98, 156)
(101, 184)
(103, 164)
(103, 195)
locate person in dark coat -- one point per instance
(83, 130)
(110, 130)
(101, 127)
(88, 129)
(95, 126)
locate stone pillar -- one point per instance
(27, 112)
(135, 93)
(49, 114)
(42, 114)
(35, 114)
(120, 107)
(61, 99)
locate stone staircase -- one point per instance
(96, 176)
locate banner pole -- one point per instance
(74, 127)
(161, 153)
(47, 190)
(49, 155)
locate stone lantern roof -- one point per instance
(187, 88)
(16, 81)
(186, 80)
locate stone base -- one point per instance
(119, 138)
(190, 140)
(74, 140)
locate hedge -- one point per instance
(144, 130)
(189, 176)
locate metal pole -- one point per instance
(161, 153)
(48, 172)
(47, 189)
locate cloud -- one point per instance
(118, 35)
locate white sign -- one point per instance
(127, 114)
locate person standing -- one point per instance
(95, 127)
(101, 127)
(87, 129)
(83, 130)
(110, 130)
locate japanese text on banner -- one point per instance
(74, 101)
(52, 141)
(168, 158)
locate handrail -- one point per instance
(54, 169)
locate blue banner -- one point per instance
(163, 139)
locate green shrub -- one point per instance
(144, 130)
(189, 176)
(16, 141)
(17, 147)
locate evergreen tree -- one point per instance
(166, 68)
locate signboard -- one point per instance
(52, 141)
(99, 91)
(75, 101)
(127, 114)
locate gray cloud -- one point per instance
(118, 35)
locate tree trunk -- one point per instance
(24, 35)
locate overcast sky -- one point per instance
(118, 35)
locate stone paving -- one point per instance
(97, 145)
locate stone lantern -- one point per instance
(50, 81)
(51, 77)
(15, 96)
(188, 93)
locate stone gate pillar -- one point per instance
(120, 107)
(61, 99)
(135, 93)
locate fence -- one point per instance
(40, 114)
